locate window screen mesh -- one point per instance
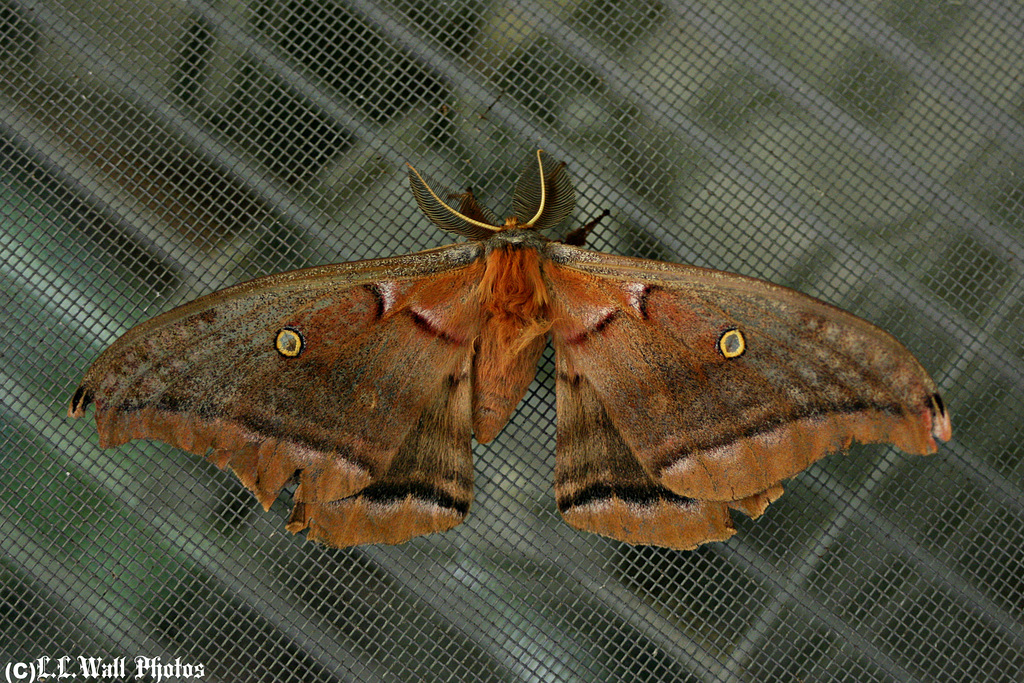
(871, 154)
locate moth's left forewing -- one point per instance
(721, 385)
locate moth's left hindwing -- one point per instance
(718, 386)
(352, 379)
(600, 485)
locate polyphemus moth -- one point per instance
(682, 392)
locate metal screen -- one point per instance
(868, 153)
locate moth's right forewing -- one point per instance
(367, 348)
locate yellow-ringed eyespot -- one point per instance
(289, 342)
(732, 343)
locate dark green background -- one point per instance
(871, 154)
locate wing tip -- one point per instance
(942, 426)
(79, 402)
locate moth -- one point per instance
(682, 392)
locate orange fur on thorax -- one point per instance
(514, 297)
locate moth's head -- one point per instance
(543, 198)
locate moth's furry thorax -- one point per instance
(512, 290)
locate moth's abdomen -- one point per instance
(515, 304)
